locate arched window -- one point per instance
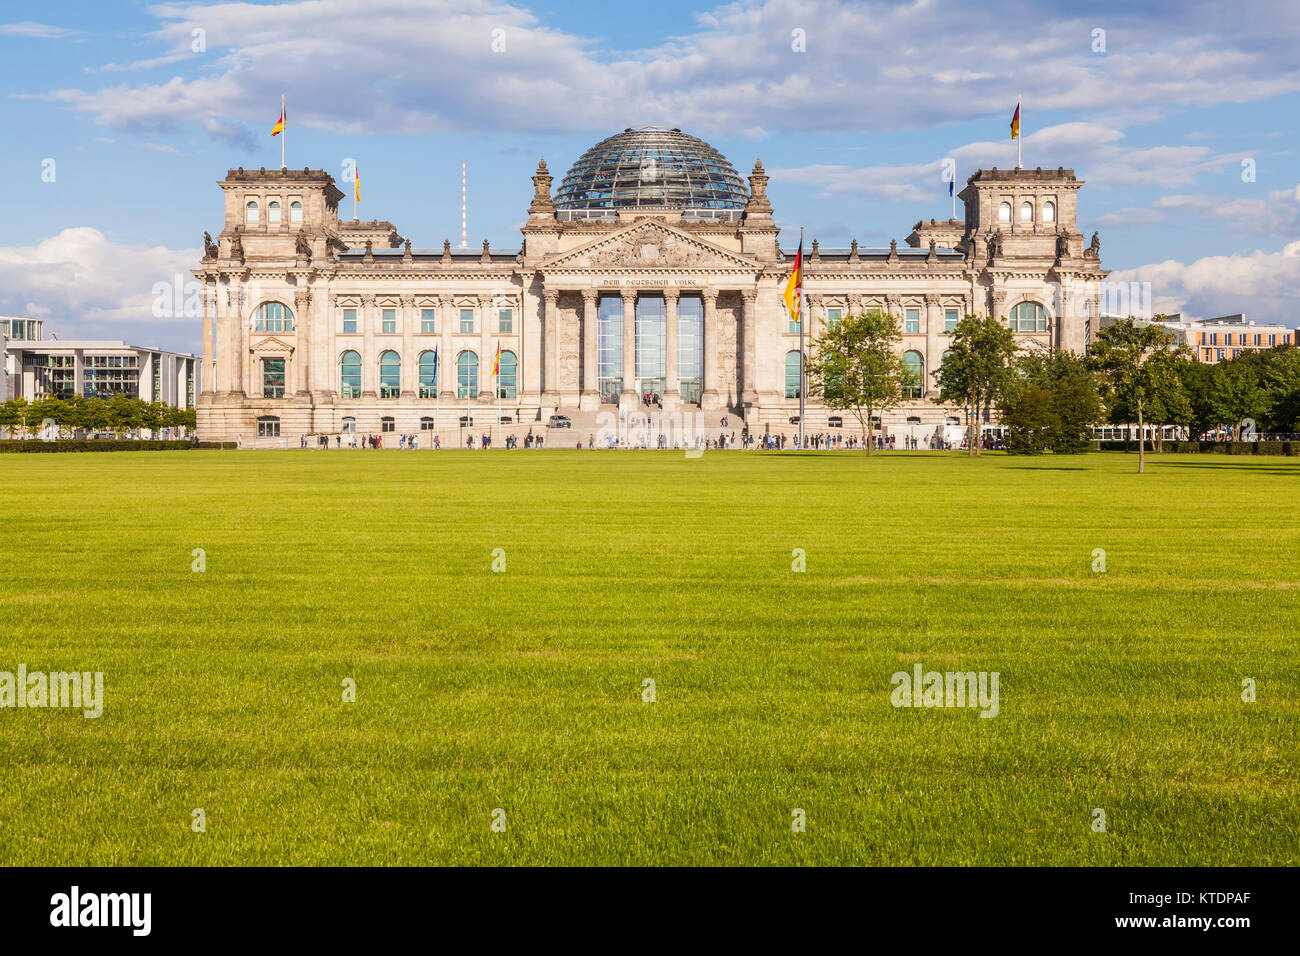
(273, 213)
(913, 383)
(792, 376)
(295, 212)
(1026, 211)
(350, 423)
(273, 317)
(429, 374)
(1028, 317)
(1049, 211)
(350, 375)
(1004, 212)
(250, 213)
(390, 374)
(466, 375)
(508, 375)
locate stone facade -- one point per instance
(360, 300)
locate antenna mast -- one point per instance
(464, 209)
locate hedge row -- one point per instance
(38, 447)
(1211, 447)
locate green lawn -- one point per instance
(522, 690)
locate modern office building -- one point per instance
(655, 268)
(35, 367)
(1227, 336)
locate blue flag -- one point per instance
(951, 183)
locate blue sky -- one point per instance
(1157, 113)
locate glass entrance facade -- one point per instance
(690, 347)
(651, 345)
(609, 348)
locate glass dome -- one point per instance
(652, 166)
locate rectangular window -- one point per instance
(912, 320)
(1214, 338)
(794, 323)
(467, 320)
(268, 428)
(428, 321)
(833, 317)
(273, 378)
(506, 321)
(390, 321)
(1272, 340)
(1259, 339)
(349, 320)
(1219, 355)
(950, 320)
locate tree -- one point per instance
(1122, 354)
(1078, 408)
(1235, 395)
(123, 413)
(1031, 422)
(1169, 402)
(47, 408)
(1281, 382)
(976, 368)
(96, 416)
(857, 367)
(13, 414)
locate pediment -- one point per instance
(271, 346)
(650, 244)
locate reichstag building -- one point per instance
(654, 269)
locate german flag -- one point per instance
(279, 126)
(356, 179)
(1015, 123)
(496, 362)
(794, 287)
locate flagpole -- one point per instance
(437, 394)
(283, 132)
(497, 385)
(802, 359)
(1020, 133)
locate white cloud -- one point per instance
(1264, 285)
(87, 286)
(35, 31)
(868, 65)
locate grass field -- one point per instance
(522, 690)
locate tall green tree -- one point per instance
(857, 367)
(976, 368)
(13, 415)
(1235, 395)
(1130, 356)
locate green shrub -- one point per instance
(35, 446)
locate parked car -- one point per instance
(560, 421)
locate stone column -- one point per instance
(446, 361)
(590, 316)
(933, 347)
(407, 317)
(814, 320)
(551, 347)
(369, 359)
(302, 344)
(998, 304)
(239, 336)
(709, 398)
(209, 308)
(629, 392)
(749, 363)
(672, 386)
